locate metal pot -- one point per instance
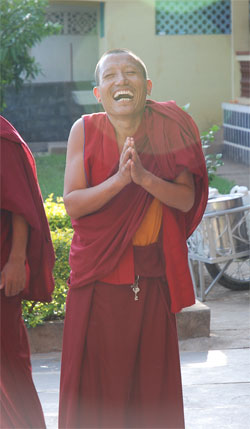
(228, 229)
(224, 202)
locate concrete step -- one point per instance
(194, 321)
(57, 147)
(48, 147)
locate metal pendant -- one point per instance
(135, 288)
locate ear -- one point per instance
(149, 86)
(97, 94)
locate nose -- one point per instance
(121, 77)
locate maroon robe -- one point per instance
(20, 193)
(168, 142)
(120, 363)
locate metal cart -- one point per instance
(222, 238)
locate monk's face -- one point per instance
(122, 86)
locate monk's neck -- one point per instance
(125, 128)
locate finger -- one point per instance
(134, 166)
(129, 139)
(2, 280)
(135, 157)
(126, 167)
(124, 149)
(7, 289)
(127, 155)
(128, 163)
(15, 288)
(9, 286)
(128, 142)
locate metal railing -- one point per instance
(221, 237)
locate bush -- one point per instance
(56, 214)
(35, 313)
(213, 160)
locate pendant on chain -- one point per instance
(135, 288)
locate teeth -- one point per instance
(121, 93)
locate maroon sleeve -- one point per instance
(20, 193)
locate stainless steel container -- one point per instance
(228, 230)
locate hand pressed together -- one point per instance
(178, 193)
(125, 163)
(130, 167)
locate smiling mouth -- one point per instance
(123, 95)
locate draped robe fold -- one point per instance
(120, 362)
(20, 194)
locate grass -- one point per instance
(50, 171)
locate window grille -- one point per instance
(74, 22)
(193, 17)
(56, 18)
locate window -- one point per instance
(176, 17)
(73, 20)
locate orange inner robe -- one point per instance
(149, 229)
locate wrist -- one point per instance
(119, 181)
(17, 258)
(146, 180)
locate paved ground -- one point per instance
(215, 370)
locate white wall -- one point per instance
(68, 57)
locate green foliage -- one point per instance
(223, 185)
(213, 160)
(56, 214)
(23, 25)
(35, 313)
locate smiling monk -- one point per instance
(135, 188)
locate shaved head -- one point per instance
(119, 52)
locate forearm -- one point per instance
(81, 202)
(176, 195)
(20, 231)
(13, 276)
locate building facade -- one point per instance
(189, 47)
